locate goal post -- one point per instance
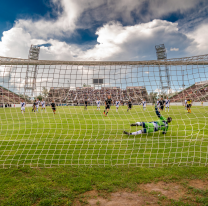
(78, 133)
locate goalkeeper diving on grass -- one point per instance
(148, 127)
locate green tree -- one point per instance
(40, 97)
(45, 92)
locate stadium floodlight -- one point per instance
(31, 73)
(163, 70)
(161, 52)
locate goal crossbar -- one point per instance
(193, 60)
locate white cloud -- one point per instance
(118, 42)
(199, 36)
(16, 43)
(83, 13)
(174, 49)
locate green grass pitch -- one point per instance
(74, 136)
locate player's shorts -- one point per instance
(167, 105)
(188, 105)
(161, 107)
(117, 106)
(43, 106)
(107, 107)
(130, 106)
(98, 105)
(54, 108)
(37, 106)
(22, 108)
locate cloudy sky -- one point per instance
(103, 29)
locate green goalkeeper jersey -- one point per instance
(162, 123)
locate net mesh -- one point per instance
(78, 135)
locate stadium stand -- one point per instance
(9, 97)
(196, 92)
(67, 95)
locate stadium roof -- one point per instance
(194, 60)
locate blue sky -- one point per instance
(12, 10)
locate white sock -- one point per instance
(139, 123)
(136, 133)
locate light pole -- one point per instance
(31, 73)
(163, 71)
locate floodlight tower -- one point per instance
(31, 73)
(163, 70)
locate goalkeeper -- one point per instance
(148, 127)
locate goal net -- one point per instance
(79, 133)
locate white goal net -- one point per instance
(52, 113)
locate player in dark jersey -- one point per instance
(34, 106)
(161, 103)
(53, 107)
(85, 104)
(108, 103)
(129, 105)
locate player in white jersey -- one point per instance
(185, 103)
(37, 104)
(167, 104)
(22, 106)
(43, 104)
(98, 104)
(117, 105)
(144, 103)
(158, 103)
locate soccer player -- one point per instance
(167, 104)
(158, 105)
(22, 106)
(144, 104)
(43, 104)
(37, 104)
(129, 105)
(202, 103)
(185, 104)
(53, 106)
(108, 103)
(161, 103)
(85, 104)
(189, 104)
(34, 106)
(98, 104)
(117, 105)
(148, 127)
